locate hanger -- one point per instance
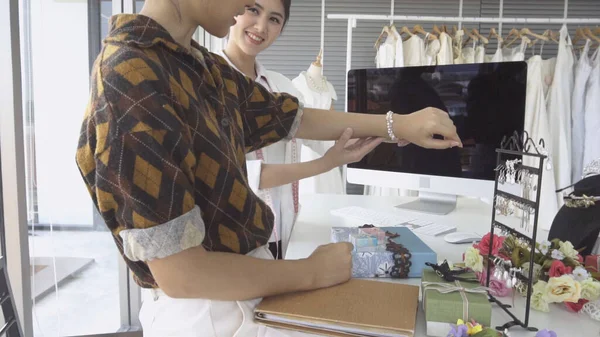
(579, 36)
(385, 32)
(418, 29)
(526, 31)
(482, 38)
(494, 34)
(514, 34)
(436, 30)
(552, 35)
(470, 36)
(588, 33)
(405, 30)
(394, 31)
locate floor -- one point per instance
(87, 301)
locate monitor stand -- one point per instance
(432, 203)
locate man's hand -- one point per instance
(331, 264)
(347, 150)
(420, 127)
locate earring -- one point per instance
(514, 278)
(502, 176)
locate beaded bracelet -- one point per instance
(389, 118)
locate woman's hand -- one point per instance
(331, 264)
(347, 150)
(420, 127)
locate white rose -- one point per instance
(474, 260)
(568, 249)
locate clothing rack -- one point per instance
(354, 18)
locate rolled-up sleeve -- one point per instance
(145, 179)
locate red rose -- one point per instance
(579, 258)
(484, 244)
(576, 307)
(558, 269)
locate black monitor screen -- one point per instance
(485, 101)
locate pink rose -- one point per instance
(484, 244)
(558, 269)
(498, 288)
(576, 307)
(579, 258)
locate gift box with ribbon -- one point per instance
(444, 302)
(382, 261)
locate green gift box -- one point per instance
(446, 302)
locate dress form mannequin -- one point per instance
(318, 93)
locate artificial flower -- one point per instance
(580, 274)
(484, 244)
(539, 300)
(563, 289)
(590, 289)
(558, 255)
(579, 258)
(458, 331)
(474, 260)
(568, 250)
(537, 271)
(498, 288)
(545, 246)
(558, 269)
(473, 328)
(545, 333)
(576, 307)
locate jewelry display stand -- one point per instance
(510, 169)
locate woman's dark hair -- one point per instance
(286, 6)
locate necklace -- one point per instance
(321, 88)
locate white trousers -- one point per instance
(163, 316)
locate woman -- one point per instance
(269, 177)
(162, 152)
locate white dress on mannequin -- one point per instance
(559, 112)
(329, 182)
(536, 124)
(582, 74)
(592, 113)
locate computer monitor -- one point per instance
(485, 101)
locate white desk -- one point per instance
(315, 221)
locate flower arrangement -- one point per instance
(462, 329)
(558, 273)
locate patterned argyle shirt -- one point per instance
(163, 144)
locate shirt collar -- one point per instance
(261, 71)
(145, 32)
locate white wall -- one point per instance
(60, 89)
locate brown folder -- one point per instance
(355, 308)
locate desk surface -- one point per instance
(315, 221)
